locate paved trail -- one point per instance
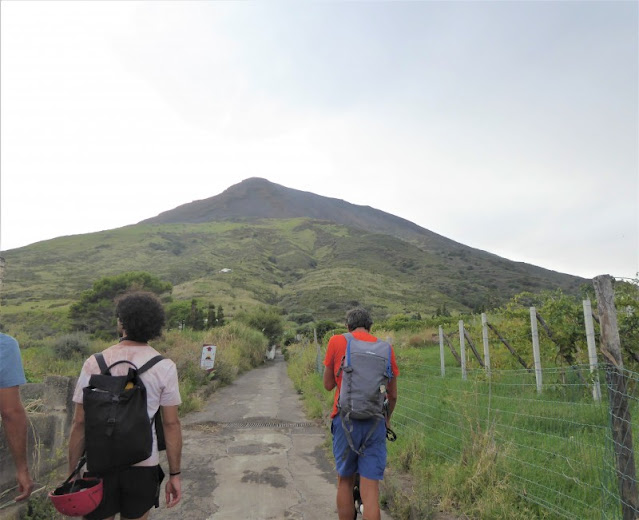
(252, 454)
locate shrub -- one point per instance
(94, 311)
(72, 345)
(267, 320)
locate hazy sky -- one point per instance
(512, 127)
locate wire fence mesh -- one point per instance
(555, 449)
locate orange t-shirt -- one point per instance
(337, 350)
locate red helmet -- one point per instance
(79, 497)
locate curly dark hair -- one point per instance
(141, 314)
(358, 317)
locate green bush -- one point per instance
(72, 346)
(40, 508)
(94, 311)
(267, 320)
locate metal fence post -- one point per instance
(592, 350)
(536, 353)
(484, 328)
(441, 350)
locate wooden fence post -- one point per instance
(535, 342)
(592, 350)
(484, 329)
(452, 349)
(610, 346)
(462, 349)
(472, 347)
(508, 346)
(441, 350)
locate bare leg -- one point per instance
(369, 490)
(345, 505)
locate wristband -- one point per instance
(174, 474)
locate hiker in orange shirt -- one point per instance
(365, 452)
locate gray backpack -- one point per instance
(366, 371)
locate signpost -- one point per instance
(208, 357)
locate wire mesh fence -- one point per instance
(555, 449)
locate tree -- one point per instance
(562, 323)
(627, 303)
(177, 313)
(195, 319)
(220, 316)
(210, 317)
(94, 312)
(267, 320)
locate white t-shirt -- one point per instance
(161, 381)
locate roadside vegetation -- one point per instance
(301, 265)
(239, 348)
(91, 327)
(473, 477)
(493, 448)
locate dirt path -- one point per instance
(252, 454)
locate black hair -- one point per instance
(141, 314)
(358, 317)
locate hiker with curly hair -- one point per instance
(132, 491)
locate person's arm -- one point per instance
(14, 424)
(329, 378)
(173, 439)
(76, 439)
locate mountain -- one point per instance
(259, 242)
(257, 198)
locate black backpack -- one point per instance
(117, 429)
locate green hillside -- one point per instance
(301, 265)
(305, 253)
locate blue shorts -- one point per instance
(372, 463)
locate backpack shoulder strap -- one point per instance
(150, 364)
(104, 369)
(348, 337)
(347, 352)
(157, 418)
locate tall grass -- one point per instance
(490, 447)
(239, 348)
(303, 371)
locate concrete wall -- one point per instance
(49, 426)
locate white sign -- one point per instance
(208, 357)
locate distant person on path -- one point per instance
(14, 417)
(133, 491)
(371, 465)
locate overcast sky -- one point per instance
(512, 127)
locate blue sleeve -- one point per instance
(11, 371)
